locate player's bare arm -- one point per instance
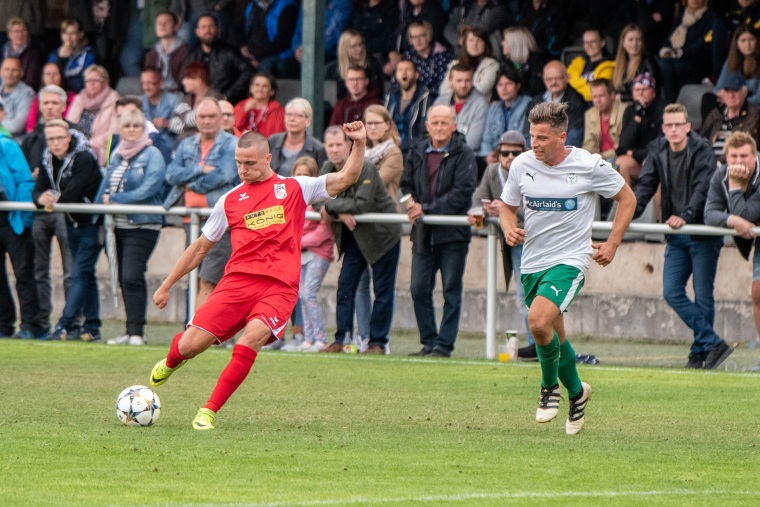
(508, 221)
(341, 180)
(605, 252)
(191, 258)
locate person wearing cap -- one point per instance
(735, 115)
(642, 124)
(488, 197)
(604, 121)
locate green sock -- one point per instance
(548, 357)
(568, 374)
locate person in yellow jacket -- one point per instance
(594, 64)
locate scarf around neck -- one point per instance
(95, 103)
(678, 37)
(379, 151)
(129, 149)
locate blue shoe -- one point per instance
(58, 334)
(25, 334)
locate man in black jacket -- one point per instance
(440, 175)
(70, 174)
(230, 73)
(681, 164)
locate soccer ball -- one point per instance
(138, 406)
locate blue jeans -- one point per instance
(512, 259)
(684, 258)
(384, 283)
(363, 304)
(312, 275)
(83, 297)
(449, 259)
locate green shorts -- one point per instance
(559, 284)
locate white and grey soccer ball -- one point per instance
(138, 406)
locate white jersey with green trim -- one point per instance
(559, 205)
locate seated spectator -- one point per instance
(470, 105)
(488, 15)
(51, 75)
(170, 52)
(351, 108)
(631, 60)
(266, 31)
(317, 245)
(407, 104)
(430, 57)
(230, 73)
(744, 57)
(228, 116)
(20, 46)
(687, 55)
(558, 90)
(377, 21)
(73, 56)
(17, 98)
(421, 10)
(735, 115)
(158, 104)
(475, 53)
(92, 110)
(547, 24)
(197, 85)
(747, 15)
(352, 51)
(604, 121)
(595, 63)
(133, 103)
(135, 175)
(642, 124)
(520, 52)
(260, 112)
(295, 142)
(510, 112)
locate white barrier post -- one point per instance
(493, 235)
(195, 229)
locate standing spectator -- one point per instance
(16, 185)
(510, 112)
(134, 103)
(20, 46)
(230, 74)
(260, 112)
(51, 75)
(429, 56)
(17, 97)
(734, 201)
(295, 142)
(595, 63)
(642, 124)
(92, 110)
(266, 31)
(556, 80)
(134, 176)
(361, 244)
(547, 24)
(735, 115)
(52, 100)
(520, 52)
(197, 84)
(488, 15)
(470, 105)
(170, 52)
(408, 103)
(353, 52)
(631, 60)
(317, 245)
(377, 21)
(681, 164)
(604, 121)
(203, 170)
(106, 25)
(74, 54)
(440, 173)
(71, 174)
(351, 108)
(744, 57)
(31, 11)
(476, 54)
(157, 103)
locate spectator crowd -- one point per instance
(444, 89)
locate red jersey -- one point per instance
(266, 221)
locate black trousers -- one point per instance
(133, 250)
(20, 250)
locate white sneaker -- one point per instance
(548, 404)
(136, 339)
(316, 347)
(119, 340)
(304, 346)
(292, 345)
(576, 418)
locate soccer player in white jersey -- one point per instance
(556, 184)
(259, 289)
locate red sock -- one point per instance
(173, 358)
(232, 376)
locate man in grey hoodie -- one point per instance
(470, 105)
(169, 53)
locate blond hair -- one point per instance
(383, 113)
(623, 61)
(310, 164)
(739, 139)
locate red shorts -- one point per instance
(240, 298)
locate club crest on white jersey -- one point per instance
(279, 191)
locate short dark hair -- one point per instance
(251, 139)
(602, 82)
(129, 99)
(510, 73)
(461, 67)
(357, 68)
(269, 77)
(155, 71)
(166, 12)
(407, 60)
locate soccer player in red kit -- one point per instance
(266, 215)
